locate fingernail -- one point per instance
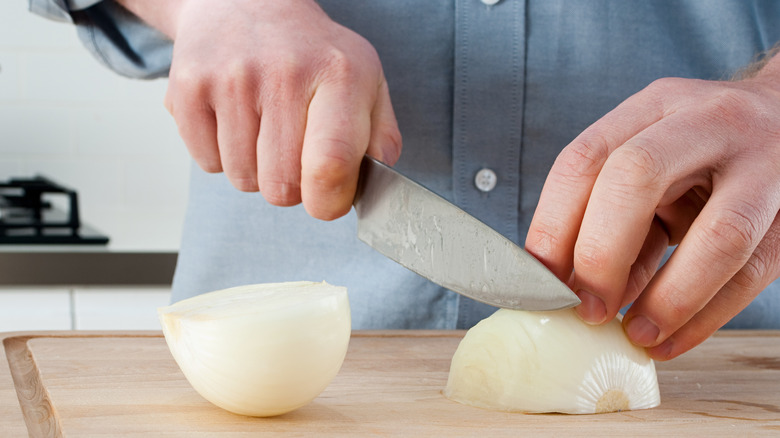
(642, 331)
(592, 309)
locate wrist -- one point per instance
(161, 14)
(770, 64)
(764, 72)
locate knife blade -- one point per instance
(427, 234)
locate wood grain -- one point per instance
(39, 413)
(127, 384)
(11, 418)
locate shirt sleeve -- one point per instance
(117, 38)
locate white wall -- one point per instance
(64, 115)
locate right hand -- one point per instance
(280, 98)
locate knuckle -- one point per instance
(656, 97)
(752, 275)
(338, 65)
(663, 85)
(237, 72)
(210, 166)
(327, 212)
(238, 80)
(243, 183)
(592, 256)
(584, 157)
(661, 88)
(677, 305)
(732, 234)
(734, 107)
(188, 77)
(545, 238)
(285, 75)
(745, 112)
(394, 138)
(280, 193)
(761, 268)
(208, 160)
(641, 274)
(635, 166)
(336, 166)
(392, 144)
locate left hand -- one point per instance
(688, 162)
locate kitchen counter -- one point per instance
(142, 251)
(84, 266)
(126, 384)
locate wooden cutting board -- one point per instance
(126, 384)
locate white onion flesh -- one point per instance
(260, 350)
(539, 362)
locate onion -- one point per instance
(538, 362)
(260, 350)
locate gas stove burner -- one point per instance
(30, 214)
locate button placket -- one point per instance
(487, 114)
(487, 110)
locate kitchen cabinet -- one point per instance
(81, 307)
(40, 308)
(82, 288)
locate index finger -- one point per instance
(650, 170)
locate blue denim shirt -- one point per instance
(502, 87)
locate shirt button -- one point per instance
(485, 180)
(490, 2)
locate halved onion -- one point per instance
(260, 350)
(538, 362)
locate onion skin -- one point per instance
(540, 362)
(260, 350)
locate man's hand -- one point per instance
(276, 95)
(688, 162)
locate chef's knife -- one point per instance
(434, 238)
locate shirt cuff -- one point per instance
(115, 37)
(77, 5)
(59, 10)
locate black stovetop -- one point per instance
(28, 214)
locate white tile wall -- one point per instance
(18, 30)
(65, 115)
(81, 308)
(56, 75)
(33, 133)
(10, 87)
(9, 167)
